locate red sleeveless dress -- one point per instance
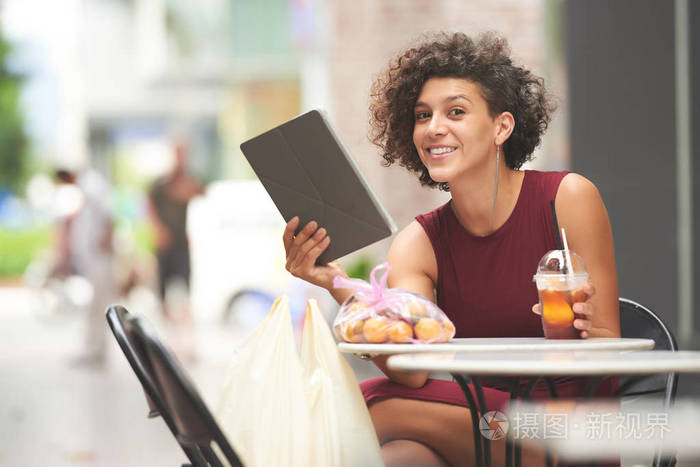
(485, 287)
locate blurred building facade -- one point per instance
(120, 79)
(223, 71)
(366, 34)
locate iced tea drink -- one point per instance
(557, 312)
(560, 285)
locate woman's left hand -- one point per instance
(584, 311)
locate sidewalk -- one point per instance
(54, 413)
(58, 414)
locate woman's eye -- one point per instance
(455, 112)
(422, 115)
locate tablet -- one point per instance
(308, 172)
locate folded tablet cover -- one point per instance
(308, 173)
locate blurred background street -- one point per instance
(59, 413)
(120, 126)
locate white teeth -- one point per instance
(443, 150)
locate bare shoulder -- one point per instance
(579, 203)
(412, 236)
(575, 187)
(412, 260)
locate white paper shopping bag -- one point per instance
(341, 428)
(263, 409)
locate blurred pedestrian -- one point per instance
(85, 249)
(168, 198)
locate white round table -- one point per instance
(551, 363)
(544, 363)
(500, 344)
(491, 347)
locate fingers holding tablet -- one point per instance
(307, 249)
(303, 251)
(288, 235)
(304, 248)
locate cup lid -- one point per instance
(557, 262)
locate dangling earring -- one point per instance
(495, 187)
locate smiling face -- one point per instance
(453, 130)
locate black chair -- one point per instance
(169, 392)
(638, 321)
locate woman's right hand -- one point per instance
(304, 249)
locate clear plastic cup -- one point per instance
(560, 285)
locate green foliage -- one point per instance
(360, 268)
(142, 237)
(14, 163)
(19, 247)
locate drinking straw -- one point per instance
(556, 225)
(566, 253)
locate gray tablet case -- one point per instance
(309, 173)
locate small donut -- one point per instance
(427, 329)
(356, 307)
(400, 332)
(352, 331)
(448, 330)
(417, 309)
(376, 330)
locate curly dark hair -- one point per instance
(485, 61)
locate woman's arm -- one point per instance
(582, 214)
(303, 249)
(414, 268)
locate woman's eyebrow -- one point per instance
(457, 97)
(445, 100)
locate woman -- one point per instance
(460, 115)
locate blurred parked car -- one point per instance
(238, 259)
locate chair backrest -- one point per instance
(639, 321)
(169, 391)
